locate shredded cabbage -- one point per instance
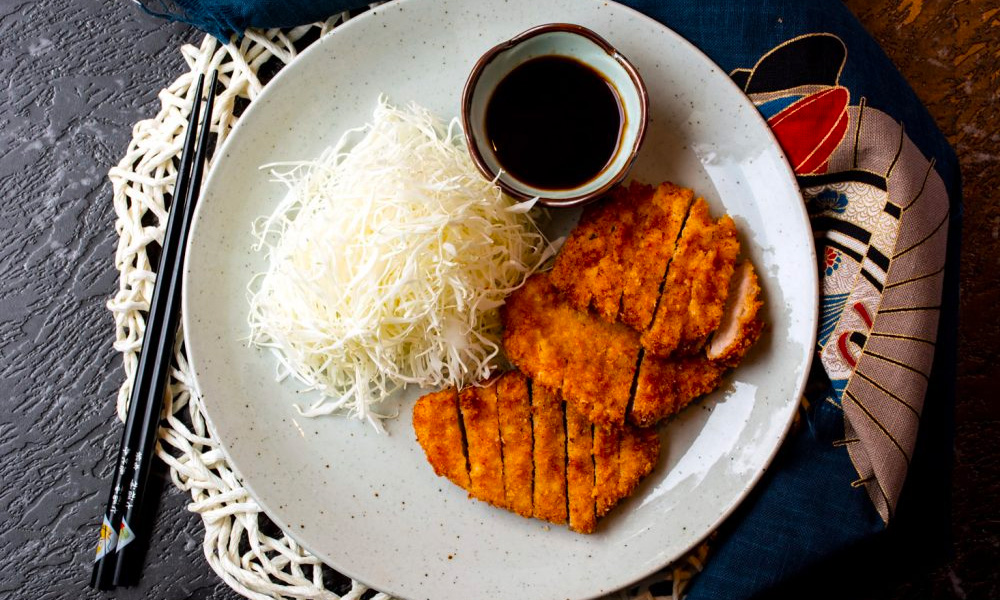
(388, 261)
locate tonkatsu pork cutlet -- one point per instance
(696, 286)
(514, 406)
(653, 260)
(667, 385)
(482, 433)
(549, 465)
(591, 361)
(607, 444)
(549, 453)
(437, 423)
(580, 459)
(598, 359)
(741, 325)
(648, 254)
(590, 268)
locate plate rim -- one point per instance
(786, 172)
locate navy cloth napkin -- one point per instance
(816, 524)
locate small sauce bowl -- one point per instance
(562, 40)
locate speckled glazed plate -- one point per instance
(369, 504)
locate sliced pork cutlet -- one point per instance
(574, 471)
(741, 324)
(658, 227)
(607, 444)
(664, 386)
(590, 269)
(639, 450)
(549, 454)
(691, 265)
(710, 285)
(542, 331)
(482, 432)
(623, 456)
(437, 423)
(580, 471)
(537, 330)
(514, 406)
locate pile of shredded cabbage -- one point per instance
(388, 261)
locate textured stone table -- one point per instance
(78, 74)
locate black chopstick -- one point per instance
(132, 526)
(144, 388)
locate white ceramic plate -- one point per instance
(368, 504)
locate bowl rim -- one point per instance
(473, 80)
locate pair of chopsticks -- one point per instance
(122, 527)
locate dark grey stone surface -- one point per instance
(76, 76)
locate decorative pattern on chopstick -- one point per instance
(120, 524)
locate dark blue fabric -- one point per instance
(804, 531)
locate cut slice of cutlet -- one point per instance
(710, 287)
(543, 331)
(558, 467)
(639, 451)
(741, 324)
(690, 264)
(549, 454)
(535, 338)
(609, 461)
(482, 431)
(590, 269)
(648, 255)
(607, 446)
(664, 386)
(580, 471)
(514, 405)
(436, 421)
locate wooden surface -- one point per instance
(79, 74)
(950, 54)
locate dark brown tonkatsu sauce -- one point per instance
(554, 122)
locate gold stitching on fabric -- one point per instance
(861, 482)
(908, 309)
(832, 403)
(896, 362)
(899, 150)
(912, 279)
(903, 337)
(839, 443)
(879, 424)
(857, 132)
(930, 168)
(795, 39)
(820, 145)
(926, 237)
(893, 396)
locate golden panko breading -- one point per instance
(436, 423)
(647, 258)
(580, 471)
(665, 386)
(549, 466)
(549, 454)
(590, 269)
(543, 332)
(514, 405)
(482, 432)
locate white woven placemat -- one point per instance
(241, 544)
